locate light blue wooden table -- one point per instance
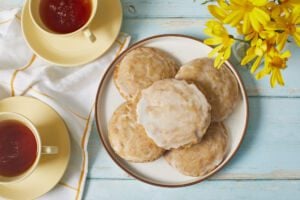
(267, 166)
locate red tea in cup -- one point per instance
(65, 16)
(18, 148)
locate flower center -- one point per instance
(278, 62)
(291, 28)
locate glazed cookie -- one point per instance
(201, 158)
(219, 85)
(174, 113)
(128, 139)
(140, 68)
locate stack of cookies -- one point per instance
(171, 111)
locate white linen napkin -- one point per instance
(70, 91)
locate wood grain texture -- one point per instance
(208, 190)
(146, 8)
(164, 8)
(270, 149)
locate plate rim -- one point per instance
(65, 64)
(145, 180)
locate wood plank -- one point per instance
(165, 8)
(208, 190)
(147, 8)
(270, 149)
(141, 28)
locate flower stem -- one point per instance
(207, 1)
(237, 39)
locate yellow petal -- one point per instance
(282, 38)
(295, 2)
(265, 71)
(233, 18)
(247, 59)
(261, 16)
(223, 4)
(273, 80)
(254, 23)
(261, 74)
(237, 2)
(215, 50)
(208, 32)
(286, 54)
(218, 61)
(296, 15)
(280, 78)
(236, 20)
(259, 51)
(218, 29)
(297, 37)
(213, 41)
(256, 64)
(264, 45)
(217, 12)
(259, 2)
(227, 53)
(246, 24)
(250, 36)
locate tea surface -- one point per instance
(65, 16)
(18, 148)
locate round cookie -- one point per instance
(140, 68)
(200, 159)
(174, 113)
(219, 85)
(128, 139)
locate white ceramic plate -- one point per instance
(159, 172)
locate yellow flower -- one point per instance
(219, 38)
(260, 43)
(254, 36)
(219, 12)
(255, 51)
(284, 7)
(287, 25)
(289, 3)
(274, 63)
(251, 13)
(265, 25)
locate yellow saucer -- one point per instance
(53, 132)
(75, 50)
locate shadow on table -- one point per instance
(94, 146)
(254, 121)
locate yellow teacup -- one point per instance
(41, 149)
(34, 9)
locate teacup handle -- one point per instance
(88, 34)
(49, 150)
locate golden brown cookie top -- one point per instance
(200, 159)
(140, 68)
(219, 85)
(128, 139)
